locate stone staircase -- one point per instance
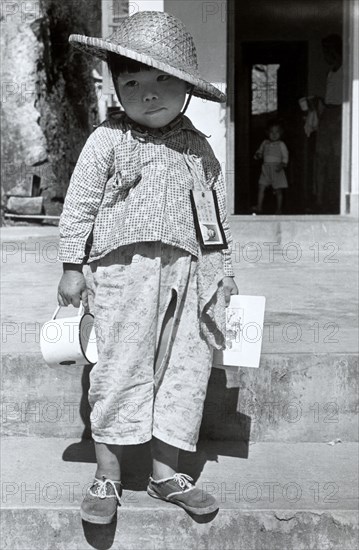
(278, 444)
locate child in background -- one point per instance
(274, 153)
(158, 298)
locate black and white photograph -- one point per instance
(207, 218)
(210, 232)
(179, 274)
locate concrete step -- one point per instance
(304, 389)
(290, 398)
(292, 496)
(308, 229)
(305, 231)
(311, 305)
(296, 397)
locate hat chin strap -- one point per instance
(188, 99)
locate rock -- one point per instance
(23, 188)
(53, 208)
(25, 205)
(36, 154)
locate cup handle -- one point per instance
(55, 313)
(80, 313)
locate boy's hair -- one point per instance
(119, 64)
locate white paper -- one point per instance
(244, 333)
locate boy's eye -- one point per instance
(131, 83)
(163, 77)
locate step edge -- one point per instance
(173, 510)
(29, 354)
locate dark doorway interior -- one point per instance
(278, 59)
(276, 75)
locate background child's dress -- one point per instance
(273, 154)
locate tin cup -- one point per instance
(69, 341)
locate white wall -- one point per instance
(145, 5)
(355, 109)
(207, 22)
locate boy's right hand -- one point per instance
(72, 289)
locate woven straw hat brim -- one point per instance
(99, 48)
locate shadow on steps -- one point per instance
(224, 432)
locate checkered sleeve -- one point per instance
(84, 195)
(218, 184)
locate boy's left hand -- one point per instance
(230, 288)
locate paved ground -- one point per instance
(311, 303)
(294, 491)
(269, 478)
(296, 496)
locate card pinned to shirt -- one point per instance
(244, 333)
(206, 214)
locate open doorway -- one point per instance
(279, 60)
(278, 78)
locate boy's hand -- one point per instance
(72, 289)
(230, 288)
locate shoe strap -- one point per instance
(101, 488)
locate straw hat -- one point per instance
(157, 39)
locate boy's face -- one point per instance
(274, 133)
(151, 98)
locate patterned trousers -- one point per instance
(134, 395)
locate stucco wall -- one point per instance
(49, 102)
(23, 140)
(207, 22)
